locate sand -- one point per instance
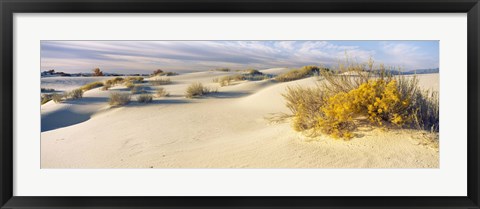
(224, 130)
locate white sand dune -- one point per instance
(224, 130)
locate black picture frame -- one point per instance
(9, 7)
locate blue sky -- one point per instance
(187, 56)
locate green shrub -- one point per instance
(160, 81)
(144, 98)
(197, 90)
(92, 85)
(161, 92)
(119, 99)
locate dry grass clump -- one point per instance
(161, 92)
(106, 86)
(92, 85)
(343, 101)
(75, 94)
(137, 89)
(57, 98)
(129, 84)
(118, 99)
(144, 98)
(197, 90)
(134, 79)
(160, 81)
(297, 74)
(114, 81)
(229, 79)
(44, 98)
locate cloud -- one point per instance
(146, 56)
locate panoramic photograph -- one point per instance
(239, 104)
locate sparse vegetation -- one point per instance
(97, 72)
(144, 98)
(161, 92)
(106, 86)
(119, 99)
(297, 74)
(227, 80)
(137, 89)
(157, 72)
(57, 98)
(129, 84)
(134, 79)
(198, 90)
(92, 85)
(75, 94)
(114, 81)
(160, 81)
(45, 98)
(342, 102)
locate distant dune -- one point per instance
(227, 129)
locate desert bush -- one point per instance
(75, 94)
(57, 98)
(297, 74)
(226, 80)
(337, 105)
(114, 81)
(144, 98)
(157, 72)
(134, 79)
(106, 86)
(92, 85)
(118, 99)
(161, 92)
(129, 84)
(44, 98)
(197, 90)
(137, 89)
(97, 72)
(160, 81)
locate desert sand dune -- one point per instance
(223, 130)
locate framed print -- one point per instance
(161, 104)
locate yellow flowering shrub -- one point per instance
(378, 100)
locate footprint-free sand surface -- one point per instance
(227, 129)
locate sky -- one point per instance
(189, 56)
